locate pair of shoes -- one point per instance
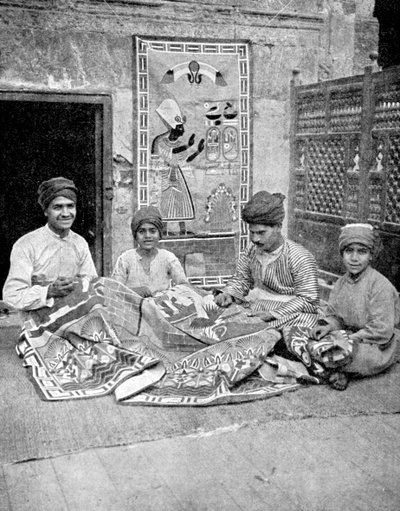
(338, 380)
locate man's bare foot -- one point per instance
(338, 380)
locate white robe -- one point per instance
(38, 259)
(165, 270)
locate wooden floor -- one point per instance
(345, 463)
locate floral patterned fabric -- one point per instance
(177, 349)
(332, 352)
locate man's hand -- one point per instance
(319, 331)
(143, 291)
(60, 287)
(264, 315)
(223, 299)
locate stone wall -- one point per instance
(86, 45)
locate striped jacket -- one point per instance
(294, 272)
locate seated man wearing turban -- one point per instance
(275, 277)
(44, 263)
(148, 269)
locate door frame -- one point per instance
(103, 160)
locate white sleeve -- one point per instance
(88, 268)
(120, 272)
(18, 290)
(176, 270)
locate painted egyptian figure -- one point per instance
(176, 202)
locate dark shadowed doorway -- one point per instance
(44, 136)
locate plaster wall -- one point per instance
(68, 45)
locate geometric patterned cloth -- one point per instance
(176, 349)
(223, 373)
(334, 351)
(74, 350)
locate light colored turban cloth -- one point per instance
(357, 233)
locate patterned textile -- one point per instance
(194, 124)
(201, 318)
(277, 369)
(332, 352)
(223, 373)
(76, 349)
(104, 338)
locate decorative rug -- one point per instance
(104, 338)
(75, 349)
(31, 428)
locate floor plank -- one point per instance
(392, 421)
(355, 461)
(330, 464)
(250, 488)
(314, 472)
(86, 485)
(5, 504)
(34, 486)
(179, 466)
(389, 443)
(372, 451)
(137, 479)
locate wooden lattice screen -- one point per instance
(345, 157)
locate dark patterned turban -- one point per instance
(357, 233)
(148, 214)
(56, 187)
(264, 208)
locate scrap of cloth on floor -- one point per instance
(320, 357)
(177, 349)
